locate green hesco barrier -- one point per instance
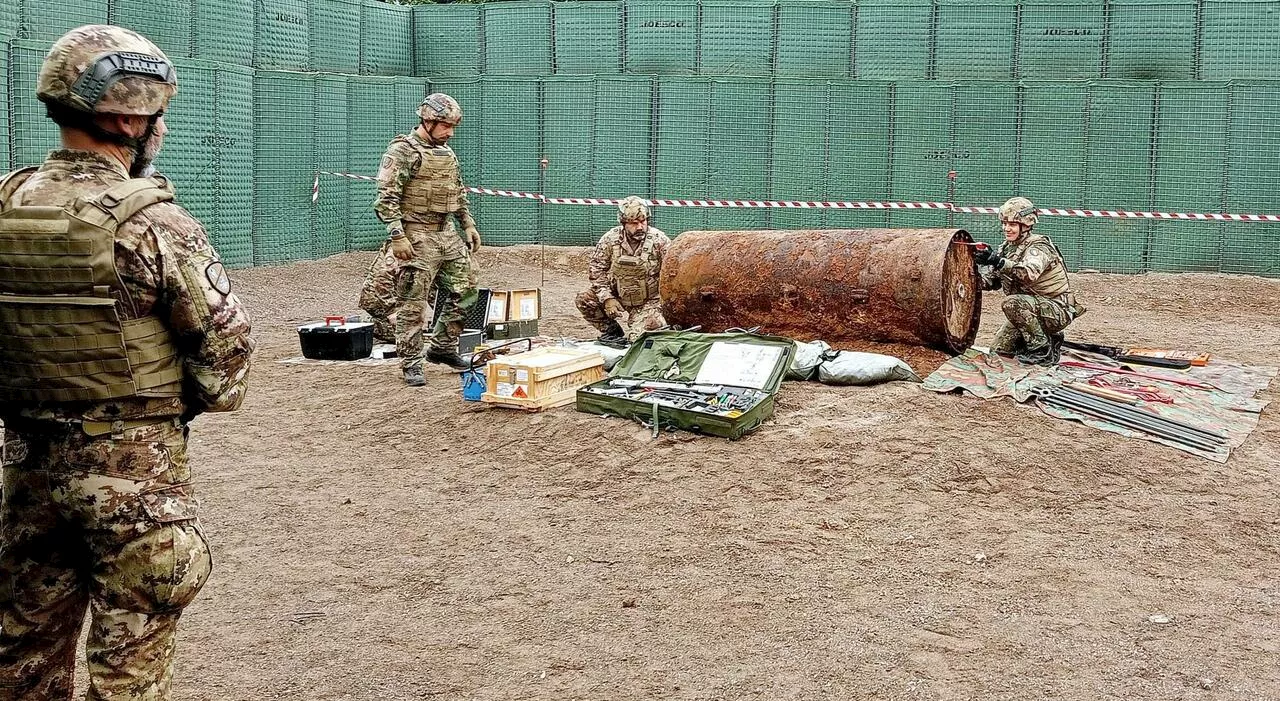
(984, 150)
(1118, 167)
(624, 124)
(1060, 40)
(168, 23)
(378, 121)
(922, 151)
(860, 142)
(894, 39)
(333, 25)
(588, 37)
(284, 163)
(333, 123)
(1052, 162)
(683, 157)
(43, 22)
(1253, 152)
(5, 158)
(33, 135)
(232, 142)
(1151, 39)
(736, 39)
(510, 154)
(975, 40)
(569, 106)
(446, 40)
(1241, 39)
(815, 39)
(189, 156)
(283, 34)
(661, 37)
(517, 37)
(9, 20)
(738, 150)
(224, 30)
(386, 39)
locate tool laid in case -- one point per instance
(719, 384)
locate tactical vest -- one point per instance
(635, 276)
(1053, 282)
(61, 335)
(435, 187)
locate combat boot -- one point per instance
(1037, 356)
(1055, 347)
(450, 358)
(413, 376)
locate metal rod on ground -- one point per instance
(1173, 423)
(1118, 371)
(1144, 421)
(1134, 425)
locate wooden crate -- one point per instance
(497, 307)
(524, 305)
(541, 378)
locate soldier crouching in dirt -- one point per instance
(624, 271)
(117, 326)
(1030, 270)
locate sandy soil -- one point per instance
(374, 541)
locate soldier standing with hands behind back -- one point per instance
(420, 192)
(117, 326)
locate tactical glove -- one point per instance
(613, 308)
(473, 240)
(401, 248)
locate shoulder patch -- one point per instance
(217, 276)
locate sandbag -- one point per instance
(854, 368)
(807, 358)
(610, 354)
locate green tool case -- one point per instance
(720, 384)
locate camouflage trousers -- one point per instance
(645, 317)
(378, 295)
(100, 525)
(1031, 320)
(441, 260)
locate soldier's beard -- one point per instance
(146, 154)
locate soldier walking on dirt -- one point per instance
(624, 271)
(1030, 270)
(420, 192)
(117, 326)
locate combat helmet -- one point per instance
(1019, 209)
(632, 209)
(439, 107)
(101, 69)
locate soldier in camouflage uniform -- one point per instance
(117, 326)
(1030, 270)
(624, 271)
(420, 193)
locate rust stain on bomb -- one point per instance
(889, 285)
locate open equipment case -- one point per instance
(719, 384)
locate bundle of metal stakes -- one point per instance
(1134, 418)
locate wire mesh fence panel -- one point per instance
(167, 23)
(188, 158)
(683, 150)
(512, 157)
(893, 39)
(625, 150)
(1118, 170)
(43, 22)
(984, 152)
(6, 156)
(283, 166)
(1190, 174)
(739, 147)
(800, 166)
(661, 37)
(336, 35)
(1241, 39)
(814, 39)
(233, 145)
(1060, 40)
(588, 37)
(224, 31)
(569, 115)
(517, 37)
(10, 18)
(922, 150)
(1052, 162)
(283, 34)
(446, 40)
(1253, 152)
(859, 147)
(736, 39)
(975, 39)
(1151, 39)
(331, 211)
(372, 121)
(386, 39)
(33, 134)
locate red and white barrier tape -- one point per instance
(797, 204)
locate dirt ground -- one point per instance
(374, 541)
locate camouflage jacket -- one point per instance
(399, 165)
(1033, 265)
(613, 245)
(167, 268)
